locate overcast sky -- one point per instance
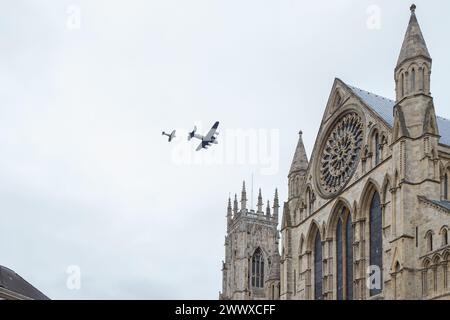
(86, 87)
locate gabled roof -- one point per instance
(384, 107)
(11, 281)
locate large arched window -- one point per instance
(376, 241)
(349, 259)
(339, 262)
(318, 295)
(258, 269)
(344, 257)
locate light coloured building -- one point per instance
(368, 216)
(251, 269)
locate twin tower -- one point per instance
(251, 269)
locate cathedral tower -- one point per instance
(251, 266)
(415, 142)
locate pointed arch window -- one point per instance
(337, 100)
(377, 147)
(402, 85)
(349, 258)
(318, 295)
(312, 199)
(413, 80)
(339, 262)
(376, 240)
(258, 269)
(396, 279)
(429, 238)
(344, 255)
(421, 77)
(444, 237)
(425, 278)
(446, 186)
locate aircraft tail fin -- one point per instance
(192, 134)
(172, 135)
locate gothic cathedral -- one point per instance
(368, 216)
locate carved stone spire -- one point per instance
(276, 205)
(300, 160)
(229, 213)
(268, 209)
(235, 205)
(414, 43)
(243, 198)
(413, 70)
(260, 202)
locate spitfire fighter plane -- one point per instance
(210, 138)
(171, 135)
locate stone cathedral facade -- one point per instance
(368, 215)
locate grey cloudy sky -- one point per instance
(86, 178)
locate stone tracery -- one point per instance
(340, 154)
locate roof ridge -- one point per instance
(384, 108)
(374, 94)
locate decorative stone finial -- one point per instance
(413, 8)
(300, 132)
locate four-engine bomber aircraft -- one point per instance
(210, 138)
(171, 135)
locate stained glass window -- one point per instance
(340, 267)
(376, 240)
(318, 268)
(258, 269)
(349, 258)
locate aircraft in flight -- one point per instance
(171, 135)
(210, 138)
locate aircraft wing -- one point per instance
(200, 146)
(212, 132)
